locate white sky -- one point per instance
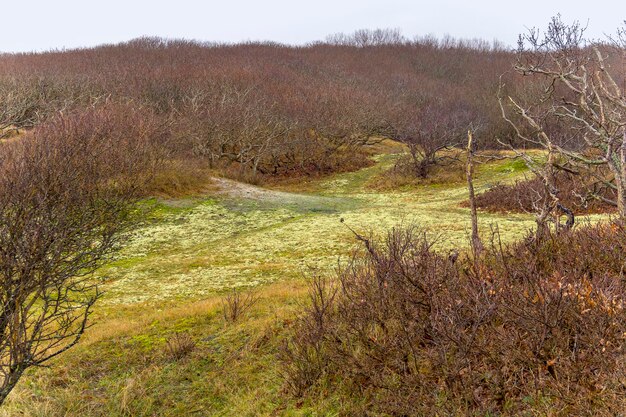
(29, 25)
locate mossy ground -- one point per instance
(169, 278)
(204, 246)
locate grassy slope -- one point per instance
(169, 278)
(213, 244)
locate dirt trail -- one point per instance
(237, 189)
(242, 191)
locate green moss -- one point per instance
(194, 248)
(146, 342)
(512, 166)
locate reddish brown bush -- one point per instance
(534, 327)
(524, 195)
(67, 196)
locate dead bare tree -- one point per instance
(477, 246)
(240, 128)
(581, 93)
(546, 205)
(66, 197)
(367, 38)
(427, 129)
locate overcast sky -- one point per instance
(29, 25)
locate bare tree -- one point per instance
(427, 129)
(241, 127)
(66, 197)
(366, 37)
(578, 107)
(547, 205)
(477, 246)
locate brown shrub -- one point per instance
(67, 200)
(236, 304)
(179, 346)
(402, 174)
(534, 327)
(178, 178)
(131, 138)
(520, 196)
(273, 110)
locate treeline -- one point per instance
(271, 109)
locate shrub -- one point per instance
(179, 178)
(67, 194)
(523, 194)
(533, 327)
(237, 303)
(179, 346)
(271, 110)
(449, 171)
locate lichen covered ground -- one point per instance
(245, 236)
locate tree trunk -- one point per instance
(569, 223)
(10, 382)
(477, 245)
(620, 180)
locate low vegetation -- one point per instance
(526, 194)
(132, 176)
(258, 111)
(531, 327)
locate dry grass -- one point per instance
(10, 133)
(122, 368)
(181, 178)
(236, 304)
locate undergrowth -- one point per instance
(520, 196)
(537, 326)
